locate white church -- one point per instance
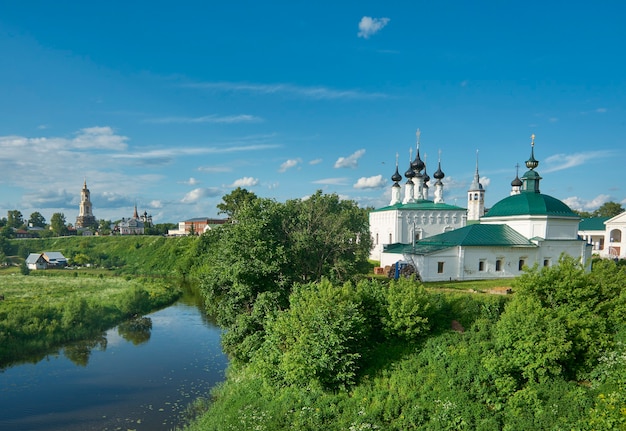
(447, 242)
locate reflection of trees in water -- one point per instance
(137, 330)
(192, 296)
(80, 351)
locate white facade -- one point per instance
(406, 223)
(539, 226)
(615, 237)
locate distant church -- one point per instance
(85, 217)
(135, 225)
(446, 242)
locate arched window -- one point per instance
(616, 235)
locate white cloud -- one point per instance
(351, 161)
(191, 181)
(99, 138)
(369, 26)
(579, 204)
(332, 181)
(315, 162)
(199, 193)
(375, 182)
(212, 119)
(317, 93)
(601, 110)
(155, 204)
(561, 161)
(245, 182)
(215, 169)
(485, 181)
(291, 163)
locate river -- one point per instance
(139, 376)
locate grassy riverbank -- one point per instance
(40, 312)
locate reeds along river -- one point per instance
(140, 375)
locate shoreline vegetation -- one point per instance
(125, 278)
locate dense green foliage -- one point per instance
(368, 356)
(40, 313)
(249, 267)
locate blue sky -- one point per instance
(173, 104)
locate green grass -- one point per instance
(477, 285)
(40, 313)
(143, 255)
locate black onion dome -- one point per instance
(426, 176)
(417, 164)
(396, 176)
(439, 173)
(516, 182)
(409, 173)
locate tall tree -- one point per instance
(57, 222)
(15, 219)
(37, 220)
(252, 265)
(608, 209)
(234, 201)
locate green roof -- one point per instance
(529, 203)
(422, 204)
(593, 223)
(476, 235)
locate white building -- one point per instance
(615, 237)
(523, 229)
(415, 217)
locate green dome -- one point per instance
(527, 203)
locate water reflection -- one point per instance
(140, 375)
(80, 351)
(136, 330)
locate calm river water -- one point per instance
(132, 378)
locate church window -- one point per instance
(390, 238)
(439, 267)
(498, 264)
(546, 262)
(475, 196)
(481, 265)
(521, 264)
(377, 239)
(616, 235)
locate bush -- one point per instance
(408, 308)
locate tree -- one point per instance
(104, 227)
(560, 321)
(271, 247)
(329, 237)
(57, 223)
(37, 220)
(608, 209)
(15, 219)
(234, 201)
(319, 339)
